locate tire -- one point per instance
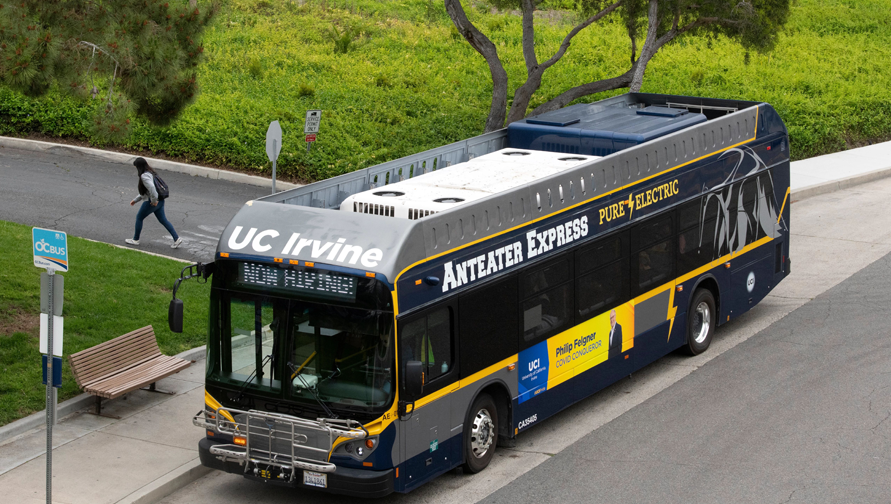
(480, 434)
(701, 320)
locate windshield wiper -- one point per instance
(247, 381)
(311, 391)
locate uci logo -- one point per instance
(750, 282)
(533, 365)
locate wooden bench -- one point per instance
(126, 363)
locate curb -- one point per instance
(167, 484)
(838, 185)
(74, 404)
(170, 166)
(122, 247)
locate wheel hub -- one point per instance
(701, 322)
(482, 433)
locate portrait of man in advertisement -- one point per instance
(615, 335)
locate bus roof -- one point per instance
(306, 224)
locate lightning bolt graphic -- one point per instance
(672, 311)
(630, 206)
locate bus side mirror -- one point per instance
(414, 380)
(175, 315)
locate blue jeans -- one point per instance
(147, 209)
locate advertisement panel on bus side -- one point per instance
(570, 353)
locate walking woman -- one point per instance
(153, 204)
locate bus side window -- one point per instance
(547, 303)
(653, 264)
(766, 206)
(602, 270)
(712, 220)
(748, 224)
(488, 325)
(692, 252)
(428, 339)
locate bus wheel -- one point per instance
(480, 434)
(701, 322)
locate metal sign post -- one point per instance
(311, 126)
(50, 250)
(273, 146)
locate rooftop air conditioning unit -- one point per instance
(446, 188)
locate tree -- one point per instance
(145, 51)
(755, 24)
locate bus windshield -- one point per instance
(342, 355)
(296, 351)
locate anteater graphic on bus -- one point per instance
(372, 331)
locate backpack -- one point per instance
(161, 187)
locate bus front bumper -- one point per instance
(343, 481)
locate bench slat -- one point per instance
(138, 377)
(113, 372)
(137, 334)
(118, 353)
(114, 345)
(102, 364)
(123, 364)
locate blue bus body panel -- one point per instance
(592, 129)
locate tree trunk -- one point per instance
(487, 50)
(649, 48)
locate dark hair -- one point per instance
(142, 166)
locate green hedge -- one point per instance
(393, 78)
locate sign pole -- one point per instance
(50, 396)
(273, 146)
(274, 161)
(50, 249)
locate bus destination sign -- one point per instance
(318, 283)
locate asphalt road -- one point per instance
(790, 403)
(89, 197)
(797, 413)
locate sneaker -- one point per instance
(177, 243)
(131, 241)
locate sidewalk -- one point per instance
(152, 451)
(103, 460)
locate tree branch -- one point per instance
(523, 94)
(575, 31)
(488, 51)
(566, 97)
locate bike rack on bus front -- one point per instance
(277, 430)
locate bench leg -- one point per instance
(152, 388)
(99, 410)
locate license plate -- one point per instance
(315, 479)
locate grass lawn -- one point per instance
(109, 291)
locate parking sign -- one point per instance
(50, 249)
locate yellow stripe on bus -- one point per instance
(215, 405)
(780, 216)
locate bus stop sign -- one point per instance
(50, 249)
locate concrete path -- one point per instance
(151, 451)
